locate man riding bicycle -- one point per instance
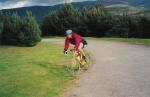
(75, 39)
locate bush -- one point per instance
(11, 28)
(30, 33)
(16, 30)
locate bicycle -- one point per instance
(80, 60)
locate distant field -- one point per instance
(33, 71)
(128, 40)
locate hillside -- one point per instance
(38, 11)
(143, 13)
(114, 6)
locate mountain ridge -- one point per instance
(114, 6)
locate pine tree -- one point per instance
(1, 30)
(31, 33)
(67, 17)
(145, 27)
(11, 28)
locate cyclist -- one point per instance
(75, 39)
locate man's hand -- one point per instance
(65, 52)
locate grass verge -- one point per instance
(128, 40)
(38, 71)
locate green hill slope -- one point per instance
(115, 6)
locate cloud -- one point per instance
(7, 4)
(12, 4)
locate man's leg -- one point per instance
(82, 51)
(81, 48)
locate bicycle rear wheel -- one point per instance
(87, 60)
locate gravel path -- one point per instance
(119, 70)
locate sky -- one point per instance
(7, 4)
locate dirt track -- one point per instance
(119, 70)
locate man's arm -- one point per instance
(67, 43)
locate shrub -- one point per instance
(30, 33)
(16, 30)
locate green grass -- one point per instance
(38, 71)
(128, 40)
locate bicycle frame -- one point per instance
(78, 61)
(78, 57)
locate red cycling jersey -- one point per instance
(75, 40)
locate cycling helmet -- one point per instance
(68, 32)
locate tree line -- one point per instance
(17, 30)
(95, 21)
